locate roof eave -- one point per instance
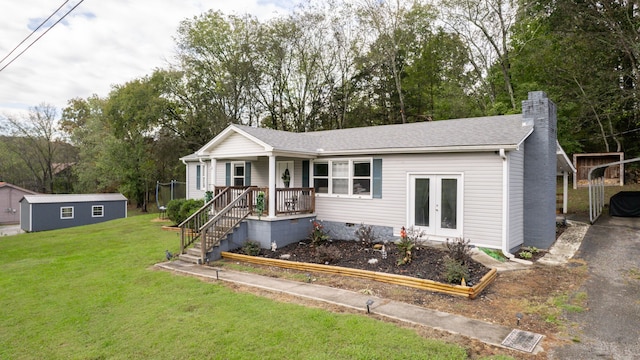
(421, 150)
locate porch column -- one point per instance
(272, 186)
(213, 181)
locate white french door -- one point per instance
(435, 204)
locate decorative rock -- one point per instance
(378, 246)
(373, 261)
(285, 256)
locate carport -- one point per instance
(596, 188)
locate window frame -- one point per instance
(68, 216)
(238, 164)
(350, 177)
(201, 178)
(93, 210)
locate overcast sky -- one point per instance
(99, 44)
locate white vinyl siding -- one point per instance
(192, 191)
(259, 172)
(515, 228)
(237, 145)
(482, 194)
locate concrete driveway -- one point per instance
(610, 327)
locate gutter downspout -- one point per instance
(505, 210)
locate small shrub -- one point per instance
(327, 254)
(173, 210)
(366, 234)
(318, 236)
(251, 248)
(189, 207)
(459, 250)
(528, 252)
(525, 254)
(454, 271)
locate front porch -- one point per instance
(236, 214)
(286, 201)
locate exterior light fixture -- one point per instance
(369, 303)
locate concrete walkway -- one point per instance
(486, 332)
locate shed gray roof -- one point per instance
(67, 198)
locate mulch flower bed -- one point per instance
(427, 262)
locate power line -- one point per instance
(46, 31)
(33, 32)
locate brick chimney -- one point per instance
(540, 170)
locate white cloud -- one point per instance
(100, 44)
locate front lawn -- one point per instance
(92, 293)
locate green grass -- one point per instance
(579, 198)
(91, 293)
(496, 254)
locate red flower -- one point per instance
(403, 233)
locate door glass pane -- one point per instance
(449, 204)
(421, 202)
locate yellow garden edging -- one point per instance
(467, 291)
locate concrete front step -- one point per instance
(189, 258)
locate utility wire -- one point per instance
(33, 32)
(46, 31)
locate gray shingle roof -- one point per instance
(60, 198)
(504, 130)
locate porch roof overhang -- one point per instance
(564, 165)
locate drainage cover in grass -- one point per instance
(522, 340)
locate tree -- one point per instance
(214, 54)
(438, 79)
(485, 27)
(36, 142)
(575, 51)
(133, 113)
(387, 21)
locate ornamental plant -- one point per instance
(408, 240)
(366, 234)
(260, 203)
(318, 236)
(405, 245)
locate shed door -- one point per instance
(435, 204)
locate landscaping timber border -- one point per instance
(467, 291)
